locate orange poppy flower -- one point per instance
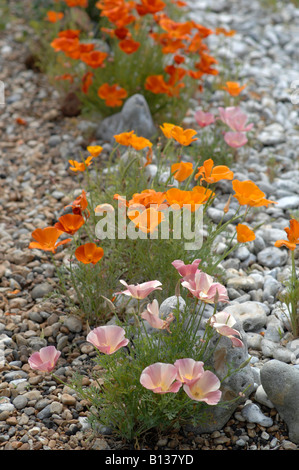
(130, 139)
(175, 29)
(156, 84)
(69, 33)
(150, 6)
(86, 82)
(89, 253)
(70, 223)
(183, 136)
(212, 174)
(182, 170)
(292, 234)
(175, 196)
(80, 166)
(129, 46)
(65, 76)
(80, 204)
(94, 150)
(188, 199)
(204, 65)
(148, 220)
(94, 59)
(233, 88)
(166, 129)
(244, 233)
(77, 3)
(225, 32)
(54, 16)
(247, 193)
(112, 94)
(146, 198)
(46, 239)
(66, 45)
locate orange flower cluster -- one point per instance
(182, 136)
(131, 139)
(68, 42)
(190, 199)
(54, 16)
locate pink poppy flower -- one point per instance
(223, 323)
(205, 388)
(205, 289)
(189, 370)
(186, 270)
(45, 359)
(235, 139)
(160, 378)
(151, 315)
(107, 339)
(140, 291)
(204, 119)
(235, 118)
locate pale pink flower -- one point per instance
(205, 289)
(223, 323)
(45, 359)
(108, 338)
(140, 291)
(186, 270)
(235, 118)
(160, 378)
(205, 388)
(189, 370)
(151, 315)
(235, 139)
(204, 119)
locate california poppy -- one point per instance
(129, 46)
(80, 204)
(89, 253)
(248, 193)
(233, 88)
(77, 3)
(46, 239)
(70, 223)
(182, 170)
(292, 235)
(130, 139)
(54, 16)
(94, 59)
(244, 233)
(112, 94)
(166, 129)
(150, 6)
(80, 166)
(156, 84)
(211, 174)
(183, 136)
(94, 150)
(146, 198)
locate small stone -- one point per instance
(20, 402)
(68, 399)
(41, 290)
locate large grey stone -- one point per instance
(135, 115)
(281, 384)
(252, 315)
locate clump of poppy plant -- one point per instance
(138, 48)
